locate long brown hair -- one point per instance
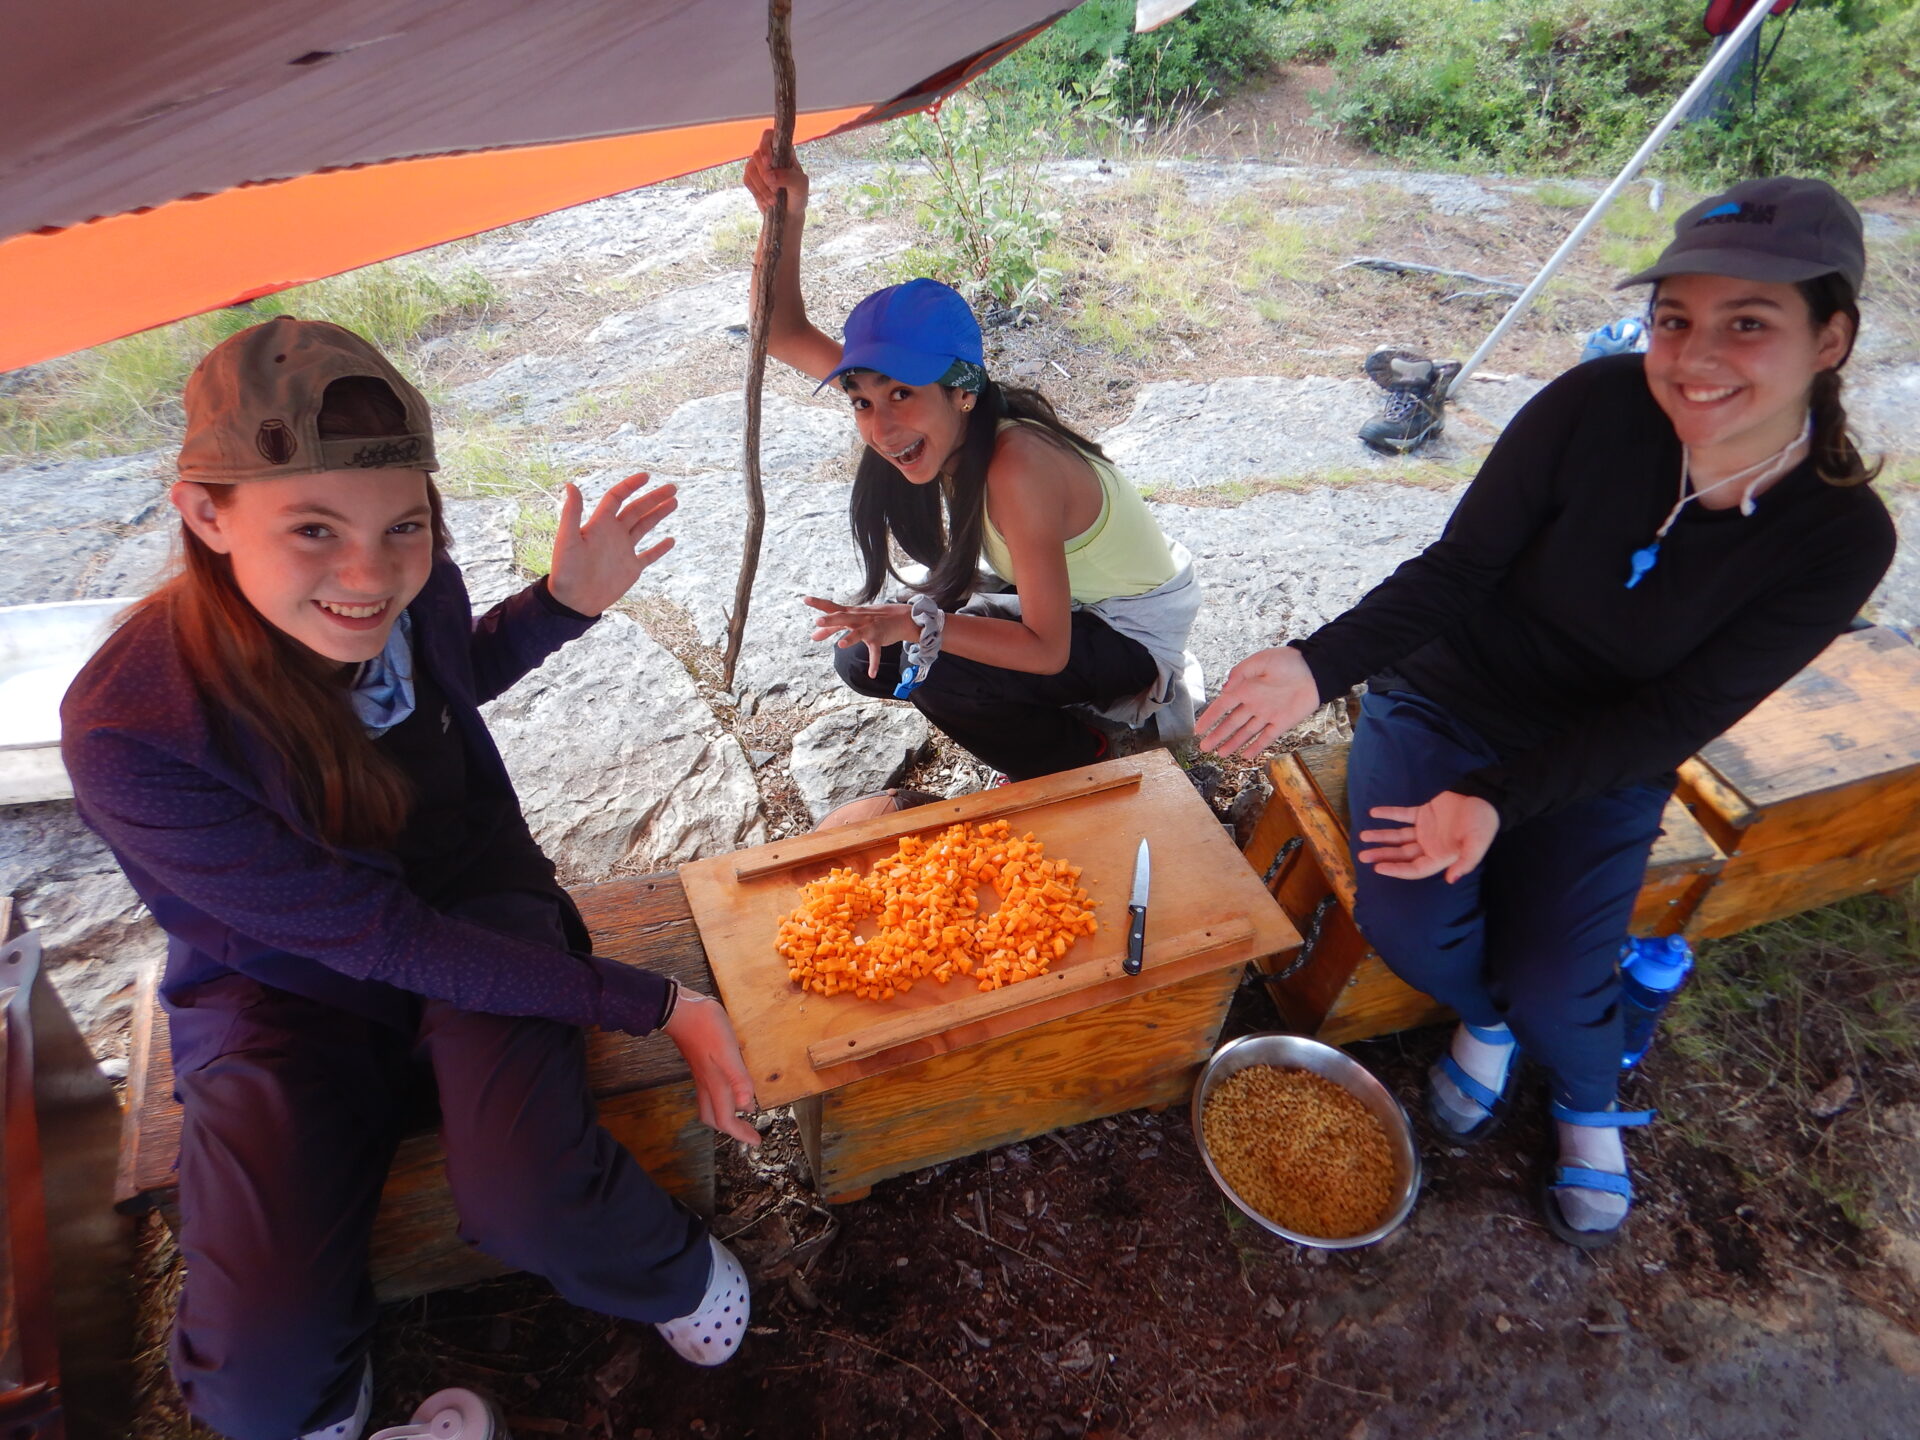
(887, 509)
(255, 679)
(1836, 459)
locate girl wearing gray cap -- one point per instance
(1654, 545)
(284, 748)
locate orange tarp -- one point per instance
(77, 287)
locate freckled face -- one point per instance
(330, 560)
(917, 428)
(1732, 362)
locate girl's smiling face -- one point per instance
(1732, 362)
(330, 560)
(916, 428)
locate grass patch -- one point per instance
(482, 459)
(1782, 1010)
(1561, 197)
(125, 395)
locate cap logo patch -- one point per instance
(1744, 213)
(386, 453)
(275, 442)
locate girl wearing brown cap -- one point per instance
(284, 749)
(1653, 546)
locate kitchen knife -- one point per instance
(1137, 913)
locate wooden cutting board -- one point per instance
(1208, 910)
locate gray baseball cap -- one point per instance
(254, 401)
(1783, 229)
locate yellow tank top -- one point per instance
(1121, 553)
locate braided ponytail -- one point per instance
(1835, 457)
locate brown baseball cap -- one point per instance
(254, 402)
(1783, 229)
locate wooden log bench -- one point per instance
(643, 1088)
(1815, 796)
(1337, 988)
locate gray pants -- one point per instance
(293, 1109)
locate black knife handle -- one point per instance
(1136, 939)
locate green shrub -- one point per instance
(1189, 61)
(1545, 85)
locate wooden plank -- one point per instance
(1187, 954)
(1851, 715)
(1715, 805)
(816, 846)
(1323, 827)
(145, 1124)
(1145, 1050)
(1199, 880)
(1813, 852)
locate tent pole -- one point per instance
(772, 232)
(1723, 56)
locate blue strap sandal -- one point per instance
(1495, 1104)
(1584, 1177)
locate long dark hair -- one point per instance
(251, 675)
(1836, 459)
(888, 509)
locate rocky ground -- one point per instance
(619, 348)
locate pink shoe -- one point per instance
(450, 1415)
(711, 1334)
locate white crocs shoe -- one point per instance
(355, 1424)
(450, 1415)
(711, 1334)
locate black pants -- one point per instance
(1015, 721)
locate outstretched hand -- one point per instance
(1266, 695)
(875, 626)
(1451, 832)
(765, 181)
(700, 1028)
(596, 563)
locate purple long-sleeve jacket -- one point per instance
(241, 883)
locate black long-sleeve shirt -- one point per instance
(1518, 620)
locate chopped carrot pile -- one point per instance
(924, 900)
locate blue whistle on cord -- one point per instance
(910, 681)
(1642, 561)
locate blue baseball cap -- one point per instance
(912, 333)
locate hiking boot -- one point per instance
(1414, 409)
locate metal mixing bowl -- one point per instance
(1296, 1052)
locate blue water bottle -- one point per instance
(1650, 972)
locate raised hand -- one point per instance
(700, 1028)
(596, 563)
(1451, 832)
(875, 626)
(765, 181)
(1266, 695)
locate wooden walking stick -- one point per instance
(772, 231)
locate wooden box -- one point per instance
(1815, 796)
(945, 1071)
(644, 1091)
(1337, 988)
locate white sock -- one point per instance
(1597, 1147)
(1487, 1063)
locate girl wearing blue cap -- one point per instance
(958, 470)
(1655, 544)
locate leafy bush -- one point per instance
(1189, 61)
(988, 213)
(1545, 84)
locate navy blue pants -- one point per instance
(1532, 937)
(293, 1109)
(1015, 721)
